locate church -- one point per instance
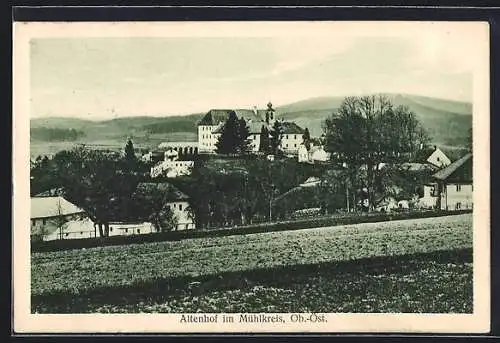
(210, 126)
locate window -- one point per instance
(110, 229)
(295, 145)
(81, 232)
(180, 207)
(294, 136)
(458, 206)
(138, 230)
(287, 145)
(433, 191)
(126, 230)
(66, 234)
(43, 221)
(286, 136)
(175, 205)
(459, 188)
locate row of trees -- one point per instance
(55, 134)
(245, 194)
(104, 185)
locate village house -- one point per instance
(291, 138)
(117, 228)
(315, 154)
(177, 201)
(53, 217)
(172, 166)
(434, 156)
(210, 128)
(453, 185)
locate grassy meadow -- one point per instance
(419, 265)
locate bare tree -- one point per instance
(60, 220)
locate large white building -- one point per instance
(210, 126)
(53, 217)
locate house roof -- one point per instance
(412, 166)
(454, 153)
(53, 192)
(422, 155)
(460, 170)
(45, 207)
(289, 127)
(174, 193)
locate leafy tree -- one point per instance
(94, 181)
(244, 144)
(368, 132)
(229, 139)
(276, 136)
(130, 152)
(264, 140)
(152, 204)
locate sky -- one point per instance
(101, 78)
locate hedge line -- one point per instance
(333, 220)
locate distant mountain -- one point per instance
(446, 121)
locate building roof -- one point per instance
(454, 153)
(460, 170)
(53, 192)
(289, 127)
(46, 207)
(217, 116)
(423, 154)
(416, 167)
(173, 193)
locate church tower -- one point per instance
(270, 114)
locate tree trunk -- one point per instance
(270, 210)
(347, 196)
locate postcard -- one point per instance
(251, 177)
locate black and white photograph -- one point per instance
(251, 176)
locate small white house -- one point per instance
(303, 154)
(454, 185)
(429, 198)
(318, 154)
(130, 228)
(314, 154)
(177, 201)
(434, 156)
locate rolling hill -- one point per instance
(446, 121)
